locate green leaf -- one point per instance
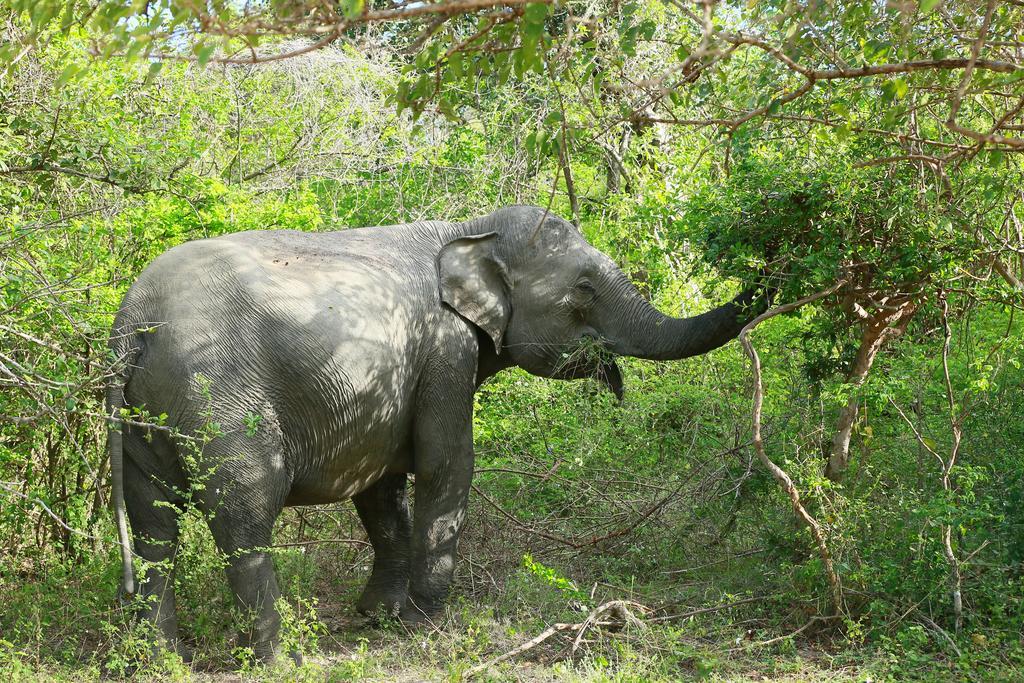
(446, 108)
(894, 89)
(352, 8)
(647, 29)
(535, 13)
(928, 6)
(68, 73)
(204, 52)
(532, 32)
(840, 109)
(455, 65)
(519, 63)
(627, 42)
(154, 71)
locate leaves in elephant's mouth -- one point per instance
(586, 355)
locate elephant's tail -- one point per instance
(122, 346)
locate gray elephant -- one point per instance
(335, 365)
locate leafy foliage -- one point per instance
(626, 118)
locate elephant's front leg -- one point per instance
(444, 473)
(384, 511)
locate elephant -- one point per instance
(336, 364)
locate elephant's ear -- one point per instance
(475, 283)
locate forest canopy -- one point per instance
(847, 479)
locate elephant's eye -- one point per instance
(586, 287)
(583, 294)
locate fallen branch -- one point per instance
(620, 614)
(619, 609)
(927, 621)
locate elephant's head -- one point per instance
(557, 307)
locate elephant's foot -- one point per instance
(381, 602)
(269, 653)
(182, 650)
(417, 613)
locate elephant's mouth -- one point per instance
(591, 358)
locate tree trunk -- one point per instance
(614, 160)
(570, 186)
(879, 328)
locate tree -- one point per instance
(865, 150)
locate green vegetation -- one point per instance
(688, 151)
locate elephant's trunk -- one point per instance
(646, 332)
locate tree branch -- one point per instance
(780, 475)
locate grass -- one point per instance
(64, 628)
(356, 652)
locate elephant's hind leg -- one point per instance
(384, 511)
(151, 484)
(243, 533)
(245, 492)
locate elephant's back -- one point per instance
(267, 264)
(279, 273)
(319, 327)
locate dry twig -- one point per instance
(619, 610)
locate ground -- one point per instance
(717, 624)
